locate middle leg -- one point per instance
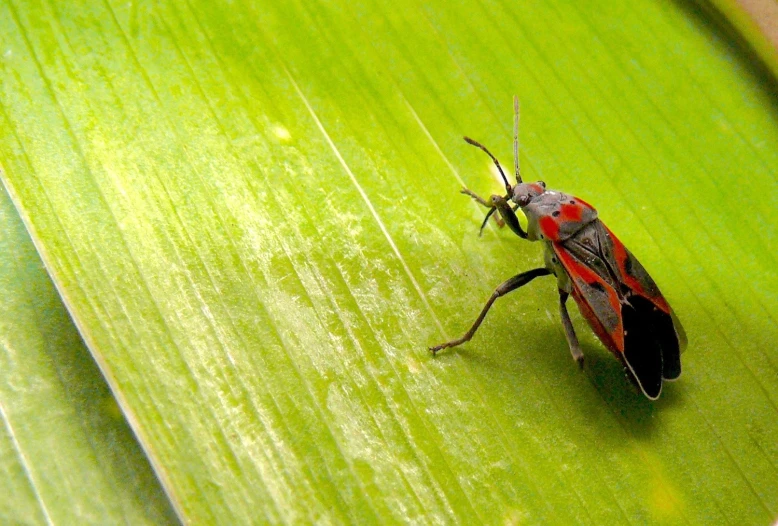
(572, 339)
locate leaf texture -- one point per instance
(68, 455)
(251, 211)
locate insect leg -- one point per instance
(477, 198)
(481, 201)
(572, 339)
(509, 215)
(512, 284)
(501, 205)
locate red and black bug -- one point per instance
(613, 291)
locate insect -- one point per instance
(615, 294)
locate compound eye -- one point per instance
(541, 183)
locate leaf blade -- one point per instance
(280, 239)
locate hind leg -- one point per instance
(512, 284)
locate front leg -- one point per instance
(508, 215)
(477, 198)
(500, 204)
(481, 201)
(512, 284)
(572, 339)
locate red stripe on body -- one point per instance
(578, 273)
(620, 255)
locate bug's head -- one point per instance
(524, 193)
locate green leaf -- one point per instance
(68, 456)
(252, 213)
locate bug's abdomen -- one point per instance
(623, 305)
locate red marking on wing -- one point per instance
(581, 277)
(614, 342)
(622, 258)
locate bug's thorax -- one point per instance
(555, 216)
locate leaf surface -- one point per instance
(66, 452)
(252, 212)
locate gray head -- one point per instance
(523, 193)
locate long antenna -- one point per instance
(496, 162)
(516, 138)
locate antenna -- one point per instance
(496, 162)
(516, 138)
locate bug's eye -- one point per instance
(541, 183)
